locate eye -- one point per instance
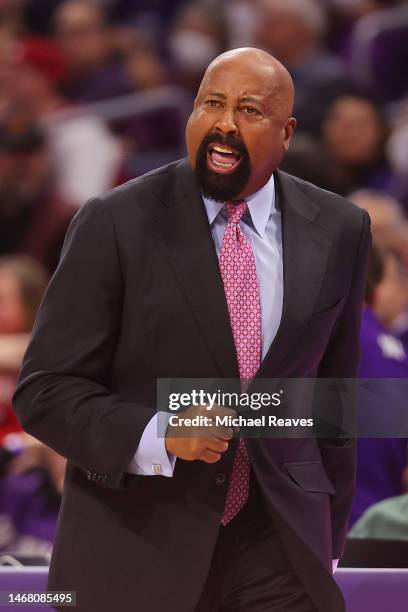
(250, 110)
(213, 103)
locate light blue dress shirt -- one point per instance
(262, 226)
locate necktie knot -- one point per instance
(236, 210)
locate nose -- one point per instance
(226, 122)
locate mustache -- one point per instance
(227, 140)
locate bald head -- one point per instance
(260, 63)
(243, 105)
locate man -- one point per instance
(144, 290)
(33, 216)
(381, 462)
(73, 135)
(86, 42)
(293, 32)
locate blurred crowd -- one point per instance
(93, 93)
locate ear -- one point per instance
(289, 129)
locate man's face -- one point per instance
(347, 117)
(239, 129)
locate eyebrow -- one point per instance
(218, 94)
(254, 99)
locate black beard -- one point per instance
(222, 187)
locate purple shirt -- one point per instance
(380, 461)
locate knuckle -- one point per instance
(229, 433)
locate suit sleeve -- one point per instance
(341, 360)
(62, 397)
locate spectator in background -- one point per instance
(86, 157)
(198, 35)
(22, 285)
(385, 520)
(85, 39)
(392, 292)
(143, 66)
(292, 31)
(33, 218)
(389, 226)
(354, 132)
(30, 497)
(154, 135)
(28, 501)
(381, 461)
(308, 160)
(397, 151)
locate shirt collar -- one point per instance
(260, 205)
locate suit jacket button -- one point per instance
(220, 478)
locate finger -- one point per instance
(223, 410)
(210, 456)
(224, 433)
(215, 444)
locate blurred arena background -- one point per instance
(95, 93)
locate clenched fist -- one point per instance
(206, 441)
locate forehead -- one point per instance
(238, 79)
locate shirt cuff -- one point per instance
(335, 563)
(151, 457)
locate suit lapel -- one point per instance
(306, 247)
(186, 234)
(187, 237)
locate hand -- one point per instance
(206, 442)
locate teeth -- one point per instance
(220, 149)
(222, 165)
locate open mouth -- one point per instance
(222, 159)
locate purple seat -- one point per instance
(374, 590)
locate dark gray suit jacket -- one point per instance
(137, 296)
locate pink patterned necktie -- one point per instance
(238, 272)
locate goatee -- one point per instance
(217, 186)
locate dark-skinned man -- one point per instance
(216, 266)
